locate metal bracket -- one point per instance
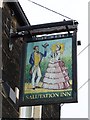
(79, 43)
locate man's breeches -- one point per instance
(36, 71)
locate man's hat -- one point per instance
(45, 45)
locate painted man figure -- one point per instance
(35, 60)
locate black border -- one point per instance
(74, 72)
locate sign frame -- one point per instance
(51, 100)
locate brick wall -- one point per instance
(11, 57)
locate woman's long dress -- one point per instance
(56, 76)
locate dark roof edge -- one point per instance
(22, 13)
(19, 11)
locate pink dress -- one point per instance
(56, 76)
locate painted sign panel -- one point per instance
(49, 70)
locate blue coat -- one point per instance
(31, 60)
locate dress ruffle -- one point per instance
(56, 76)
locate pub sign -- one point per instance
(49, 70)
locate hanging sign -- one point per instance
(49, 70)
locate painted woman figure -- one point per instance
(56, 76)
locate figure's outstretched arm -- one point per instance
(45, 53)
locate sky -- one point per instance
(77, 10)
